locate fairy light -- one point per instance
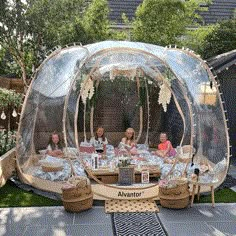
(14, 113)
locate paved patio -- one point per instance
(201, 219)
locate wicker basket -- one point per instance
(77, 194)
(79, 181)
(177, 197)
(78, 204)
(180, 189)
(49, 168)
(175, 203)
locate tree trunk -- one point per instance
(24, 75)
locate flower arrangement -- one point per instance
(7, 141)
(172, 182)
(123, 161)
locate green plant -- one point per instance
(163, 22)
(7, 141)
(10, 98)
(220, 40)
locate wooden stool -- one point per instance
(197, 184)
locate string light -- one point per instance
(14, 113)
(3, 115)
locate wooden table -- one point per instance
(111, 177)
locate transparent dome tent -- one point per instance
(117, 85)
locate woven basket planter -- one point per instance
(178, 190)
(177, 197)
(51, 167)
(175, 203)
(78, 204)
(77, 194)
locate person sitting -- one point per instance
(165, 148)
(129, 140)
(55, 147)
(99, 141)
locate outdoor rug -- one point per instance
(130, 206)
(137, 224)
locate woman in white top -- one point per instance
(54, 146)
(99, 141)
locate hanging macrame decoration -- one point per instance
(87, 90)
(164, 96)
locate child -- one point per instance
(165, 148)
(99, 141)
(129, 139)
(54, 146)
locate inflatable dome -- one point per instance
(116, 85)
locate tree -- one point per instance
(28, 28)
(164, 21)
(14, 33)
(123, 34)
(96, 22)
(61, 23)
(195, 38)
(221, 39)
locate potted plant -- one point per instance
(126, 171)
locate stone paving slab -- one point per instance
(233, 188)
(201, 219)
(232, 171)
(54, 221)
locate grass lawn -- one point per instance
(225, 195)
(12, 196)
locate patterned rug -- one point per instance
(137, 224)
(141, 205)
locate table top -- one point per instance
(107, 171)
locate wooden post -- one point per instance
(198, 192)
(193, 193)
(212, 196)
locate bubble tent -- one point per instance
(69, 79)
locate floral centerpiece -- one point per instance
(126, 171)
(172, 182)
(124, 161)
